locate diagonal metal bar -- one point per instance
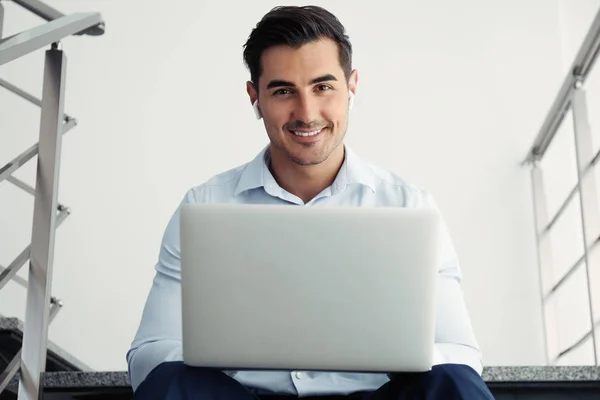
(562, 209)
(572, 270)
(48, 13)
(13, 366)
(578, 342)
(14, 267)
(40, 9)
(20, 92)
(10, 272)
(11, 370)
(571, 194)
(28, 154)
(27, 96)
(22, 185)
(574, 345)
(595, 159)
(44, 35)
(565, 277)
(17, 279)
(29, 189)
(18, 162)
(23, 283)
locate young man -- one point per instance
(302, 86)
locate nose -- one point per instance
(306, 109)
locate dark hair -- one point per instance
(295, 26)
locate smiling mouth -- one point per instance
(307, 133)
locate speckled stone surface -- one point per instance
(490, 374)
(10, 324)
(86, 379)
(73, 380)
(541, 374)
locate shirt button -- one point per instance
(299, 375)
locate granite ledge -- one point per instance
(490, 374)
(542, 374)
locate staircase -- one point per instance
(514, 383)
(66, 378)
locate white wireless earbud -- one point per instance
(351, 101)
(256, 110)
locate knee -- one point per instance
(459, 378)
(453, 371)
(177, 369)
(161, 374)
(198, 374)
(174, 379)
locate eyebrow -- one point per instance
(278, 83)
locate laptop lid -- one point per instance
(310, 288)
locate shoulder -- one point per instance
(390, 182)
(219, 186)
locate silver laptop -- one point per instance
(308, 288)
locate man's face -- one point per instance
(303, 98)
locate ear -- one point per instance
(353, 81)
(253, 95)
(252, 92)
(256, 110)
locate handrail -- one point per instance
(48, 213)
(44, 35)
(49, 14)
(577, 75)
(571, 97)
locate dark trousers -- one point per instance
(175, 381)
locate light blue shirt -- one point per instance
(358, 183)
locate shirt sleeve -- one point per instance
(455, 340)
(158, 338)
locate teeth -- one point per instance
(305, 134)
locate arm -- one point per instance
(158, 338)
(454, 337)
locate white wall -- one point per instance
(451, 95)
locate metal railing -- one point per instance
(48, 214)
(571, 98)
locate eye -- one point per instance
(280, 92)
(324, 88)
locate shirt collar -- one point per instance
(353, 171)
